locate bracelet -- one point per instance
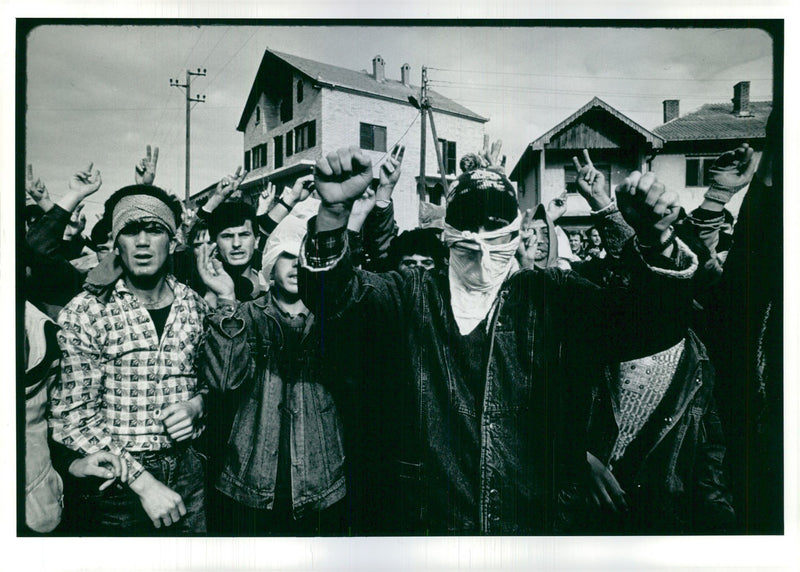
(280, 201)
(662, 245)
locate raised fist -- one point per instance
(647, 206)
(342, 176)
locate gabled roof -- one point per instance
(717, 121)
(360, 82)
(649, 136)
(596, 103)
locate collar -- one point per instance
(179, 290)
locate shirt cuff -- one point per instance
(610, 208)
(681, 264)
(322, 250)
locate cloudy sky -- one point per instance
(102, 93)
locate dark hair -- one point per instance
(422, 241)
(198, 225)
(230, 214)
(170, 200)
(101, 232)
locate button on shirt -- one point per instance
(117, 376)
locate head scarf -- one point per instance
(141, 208)
(478, 270)
(288, 235)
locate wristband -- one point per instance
(662, 245)
(280, 201)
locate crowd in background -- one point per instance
(292, 364)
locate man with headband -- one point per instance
(491, 392)
(128, 383)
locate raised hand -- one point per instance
(389, 172)
(213, 274)
(86, 182)
(604, 488)
(490, 156)
(647, 206)
(145, 171)
(265, 198)
(591, 183)
(362, 206)
(342, 176)
(300, 191)
(557, 207)
(76, 224)
(37, 190)
(229, 184)
(730, 173)
(526, 251)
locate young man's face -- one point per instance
(575, 243)
(410, 261)
(542, 234)
(594, 237)
(285, 273)
(236, 245)
(144, 248)
(102, 249)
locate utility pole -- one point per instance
(189, 100)
(423, 101)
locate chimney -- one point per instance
(378, 71)
(741, 99)
(671, 109)
(405, 74)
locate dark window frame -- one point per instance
(368, 139)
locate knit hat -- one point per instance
(483, 197)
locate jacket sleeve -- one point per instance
(379, 230)
(227, 361)
(713, 503)
(618, 324)
(331, 287)
(77, 419)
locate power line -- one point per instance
(528, 105)
(391, 147)
(567, 91)
(227, 29)
(627, 78)
(225, 65)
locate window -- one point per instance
(697, 171)
(448, 151)
(259, 156)
(258, 114)
(373, 137)
(286, 108)
(300, 91)
(570, 176)
(289, 144)
(305, 136)
(279, 151)
(247, 160)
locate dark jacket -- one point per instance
(672, 471)
(490, 459)
(240, 357)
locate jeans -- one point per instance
(118, 511)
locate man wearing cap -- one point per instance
(128, 382)
(491, 400)
(283, 465)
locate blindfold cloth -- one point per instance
(478, 270)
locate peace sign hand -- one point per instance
(591, 183)
(145, 171)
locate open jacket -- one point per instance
(672, 471)
(492, 465)
(240, 358)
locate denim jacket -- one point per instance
(491, 465)
(672, 471)
(242, 346)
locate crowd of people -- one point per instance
(290, 364)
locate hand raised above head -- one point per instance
(145, 170)
(342, 176)
(86, 182)
(591, 182)
(647, 206)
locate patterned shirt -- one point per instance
(642, 384)
(117, 375)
